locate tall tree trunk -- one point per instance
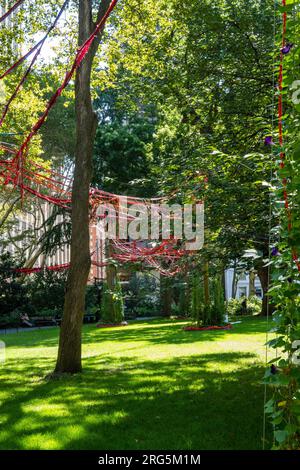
(9, 210)
(111, 278)
(69, 353)
(111, 270)
(234, 282)
(165, 296)
(251, 283)
(206, 283)
(263, 274)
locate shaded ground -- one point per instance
(147, 386)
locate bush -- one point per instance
(213, 312)
(93, 299)
(198, 313)
(13, 294)
(12, 319)
(112, 306)
(235, 306)
(181, 300)
(45, 312)
(39, 294)
(143, 295)
(254, 305)
(46, 292)
(218, 302)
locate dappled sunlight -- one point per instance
(173, 390)
(46, 410)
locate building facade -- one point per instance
(26, 230)
(241, 286)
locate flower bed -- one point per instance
(111, 325)
(207, 328)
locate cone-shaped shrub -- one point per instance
(112, 306)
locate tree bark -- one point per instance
(251, 283)
(111, 279)
(9, 210)
(165, 296)
(206, 283)
(69, 352)
(111, 271)
(263, 274)
(234, 282)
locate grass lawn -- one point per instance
(147, 386)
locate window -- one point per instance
(242, 292)
(258, 293)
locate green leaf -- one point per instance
(281, 436)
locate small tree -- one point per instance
(13, 294)
(184, 297)
(46, 291)
(218, 306)
(112, 305)
(207, 313)
(197, 300)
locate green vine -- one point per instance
(283, 373)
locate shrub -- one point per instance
(198, 313)
(46, 291)
(112, 306)
(181, 308)
(13, 293)
(211, 313)
(143, 295)
(12, 319)
(218, 303)
(93, 299)
(46, 312)
(235, 307)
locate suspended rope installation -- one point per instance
(38, 48)
(54, 188)
(11, 10)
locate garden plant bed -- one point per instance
(206, 328)
(111, 325)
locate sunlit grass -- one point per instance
(150, 385)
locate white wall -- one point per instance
(242, 285)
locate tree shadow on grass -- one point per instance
(155, 332)
(173, 333)
(198, 402)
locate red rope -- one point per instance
(38, 47)
(37, 178)
(56, 267)
(20, 61)
(11, 10)
(81, 53)
(16, 172)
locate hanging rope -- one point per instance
(81, 53)
(50, 187)
(11, 10)
(53, 187)
(38, 47)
